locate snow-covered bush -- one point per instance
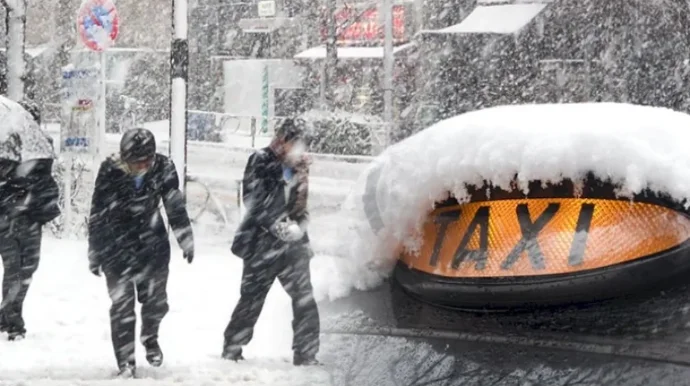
(340, 132)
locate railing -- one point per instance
(246, 132)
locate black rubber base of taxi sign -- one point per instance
(665, 268)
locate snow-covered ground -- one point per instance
(68, 331)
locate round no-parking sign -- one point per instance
(97, 23)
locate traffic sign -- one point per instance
(98, 24)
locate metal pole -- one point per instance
(15, 38)
(67, 219)
(179, 64)
(328, 73)
(100, 135)
(388, 63)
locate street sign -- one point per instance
(266, 8)
(80, 93)
(98, 24)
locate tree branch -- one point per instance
(9, 4)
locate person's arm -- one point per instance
(41, 201)
(299, 214)
(302, 175)
(256, 192)
(175, 208)
(103, 196)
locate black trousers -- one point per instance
(291, 267)
(20, 248)
(149, 286)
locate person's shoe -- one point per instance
(127, 371)
(305, 360)
(4, 326)
(233, 353)
(154, 354)
(15, 336)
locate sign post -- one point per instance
(82, 130)
(98, 26)
(80, 90)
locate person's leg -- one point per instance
(152, 293)
(122, 317)
(9, 250)
(29, 243)
(256, 282)
(296, 279)
(10, 314)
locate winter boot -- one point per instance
(305, 360)
(154, 355)
(127, 371)
(15, 336)
(233, 353)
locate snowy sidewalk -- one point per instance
(68, 339)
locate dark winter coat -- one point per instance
(126, 228)
(265, 201)
(27, 191)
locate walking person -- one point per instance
(128, 241)
(28, 200)
(273, 242)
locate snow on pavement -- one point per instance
(69, 334)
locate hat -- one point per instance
(289, 130)
(137, 145)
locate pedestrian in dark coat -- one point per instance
(273, 242)
(128, 241)
(28, 200)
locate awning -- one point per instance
(264, 24)
(497, 19)
(350, 52)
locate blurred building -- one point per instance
(554, 51)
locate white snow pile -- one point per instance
(636, 147)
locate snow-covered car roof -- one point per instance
(635, 147)
(14, 119)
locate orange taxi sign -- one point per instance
(533, 237)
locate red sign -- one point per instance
(98, 24)
(365, 25)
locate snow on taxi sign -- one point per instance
(98, 24)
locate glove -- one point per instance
(294, 233)
(95, 268)
(279, 230)
(287, 231)
(94, 265)
(188, 255)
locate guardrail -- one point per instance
(250, 122)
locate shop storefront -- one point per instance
(357, 87)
